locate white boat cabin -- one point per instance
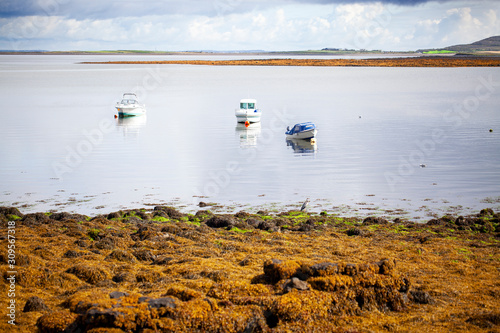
(248, 104)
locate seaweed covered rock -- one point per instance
(322, 269)
(220, 222)
(276, 270)
(374, 220)
(89, 274)
(444, 221)
(339, 289)
(60, 321)
(144, 255)
(10, 213)
(121, 255)
(169, 211)
(64, 216)
(35, 303)
(35, 219)
(295, 283)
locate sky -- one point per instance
(224, 25)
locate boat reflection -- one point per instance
(131, 126)
(248, 135)
(302, 146)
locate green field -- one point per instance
(438, 52)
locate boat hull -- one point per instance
(253, 116)
(303, 135)
(124, 111)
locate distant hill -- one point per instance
(487, 44)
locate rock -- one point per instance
(241, 215)
(114, 215)
(374, 220)
(354, 232)
(124, 277)
(202, 204)
(164, 302)
(220, 222)
(88, 274)
(121, 255)
(162, 260)
(350, 269)
(276, 270)
(295, 283)
(147, 276)
(485, 320)
(386, 266)
(106, 243)
(265, 225)
(421, 297)
(486, 212)
(144, 255)
(10, 211)
(216, 276)
(246, 262)
(117, 294)
(305, 227)
(143, 215)
(145, 232)
(35, 304)
(324, 269)
(73, 254)
(60, 321)
(101, 318)
(35, 219)
(253, 222)
(81, 243)
(63, 216)
(170, 211)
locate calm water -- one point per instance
(62, 148)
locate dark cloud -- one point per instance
(97, 8)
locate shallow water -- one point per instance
(62, 148)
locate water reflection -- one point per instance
(131, 126)
(248, 135)
(302, 146)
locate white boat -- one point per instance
(302, 131)
(129, 106)
(248, 111)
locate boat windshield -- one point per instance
(247, 106)
(128, 101)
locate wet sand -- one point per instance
(426, 61)
(163, 270)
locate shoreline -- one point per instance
(164, 270)
(418, 211)
(423, 61)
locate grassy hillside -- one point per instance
(487, 44)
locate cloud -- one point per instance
(238, 24)
(100, 9)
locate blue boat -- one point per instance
(303, 131)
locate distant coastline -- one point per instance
(423, 61)
(325, 52)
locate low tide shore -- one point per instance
(161, 270)
(424, 61)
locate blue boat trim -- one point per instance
(301, 127)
